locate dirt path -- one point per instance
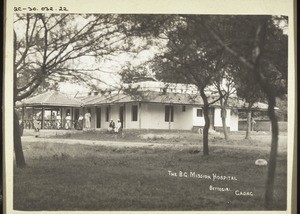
(116, 143)
(112, 143)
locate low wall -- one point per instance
(263, 125)
(196, 128)
(220, 129)
(217, 129)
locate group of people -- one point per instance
(79, 124)
(114, 127)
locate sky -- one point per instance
(108, 69)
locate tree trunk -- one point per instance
(20, 160)
(248, 128)
(273, 154)
(206, 124)
(225, 130)
(205, 130)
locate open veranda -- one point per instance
(146, 170)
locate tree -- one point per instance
(248, 90)
(55, 47)
(194, 52)
(225, 86)
(266, 58)
(190, 56)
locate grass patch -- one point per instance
(83, 177)
(260, 139)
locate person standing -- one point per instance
(87, 118)
(68, 121)
(36, 124)
(80, 122)
(21, 123)
(58, 121)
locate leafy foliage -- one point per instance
(52, 47)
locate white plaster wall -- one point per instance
(129, 124)
(114, 112)
(218, 118)
(93, 117)
(183, 119)
(153, 116)
(145, 116)
(197, 121)
(234, 126)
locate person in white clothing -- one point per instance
(68, 121)
(58, 121)
(118, 126)
(87, 118)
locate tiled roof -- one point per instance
(148, 96)
(55, 98)
(52, 98)
(240, 104)
(261, 106)
(165, 98)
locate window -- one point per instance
(183, 108)
(134, 113)
(169, 114)
(199, 112)
(107, 113)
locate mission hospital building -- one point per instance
(153, 105)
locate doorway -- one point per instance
(121, 115)
(76, 116)
(98, 115)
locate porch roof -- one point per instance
(51, 98)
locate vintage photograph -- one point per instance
(150, 112)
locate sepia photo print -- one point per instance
(150, 111)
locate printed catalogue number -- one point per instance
(42, 9)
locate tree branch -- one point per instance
(231, 51)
